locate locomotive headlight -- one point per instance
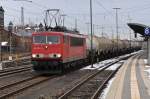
(33, 55)
(58, 55)
(55, 55)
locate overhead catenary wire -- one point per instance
(108, 13)
(101, 5)
(27, 12)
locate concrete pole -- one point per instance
(117, 27)
(91, 23)
(148, 50)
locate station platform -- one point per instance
(132, 81)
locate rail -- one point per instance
(17, 87)
(71, 91)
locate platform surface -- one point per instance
(132, 81)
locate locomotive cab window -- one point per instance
(53, 39)
(46, 39)
(74, 41)
(39, 39)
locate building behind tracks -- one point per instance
(18, 43)
(1, 17)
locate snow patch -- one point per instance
(148, 71)
(98, 65)
(114, 67)
(105, 62)
(106, 90)
(145, 61)
(147, 66)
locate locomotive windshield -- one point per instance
(39, 39)
(46, 39)
(52, 39)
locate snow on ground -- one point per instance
(106, 90)
(130, 54)
(147, 68)
(146, 65)
(114, 67)
(98, 65)
(145, 61)
(148, 71)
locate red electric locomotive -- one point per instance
(54, 52)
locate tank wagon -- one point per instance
(107, 48)
(57, 51)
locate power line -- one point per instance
(42, 6)
(100, 4)
(16, 10)
(107, 11)
(136, 8)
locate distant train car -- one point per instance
(136, 45)
(95, 44)
(51, 50)
(102, 46)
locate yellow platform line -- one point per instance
(134, 84)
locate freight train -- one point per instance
(58, 51)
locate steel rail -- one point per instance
(15, 71)
(96, 94)
(14, 68)
(18, 82)
(11, 93)
(64, 96)
(98, 91)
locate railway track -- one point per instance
(16, 70)
(19, 86)
(14, 88)
(16, 63)
(91, 86)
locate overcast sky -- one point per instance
(103, 14)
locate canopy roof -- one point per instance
(138, 28)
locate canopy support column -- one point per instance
(148, 51)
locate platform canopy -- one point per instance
(138, 28)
